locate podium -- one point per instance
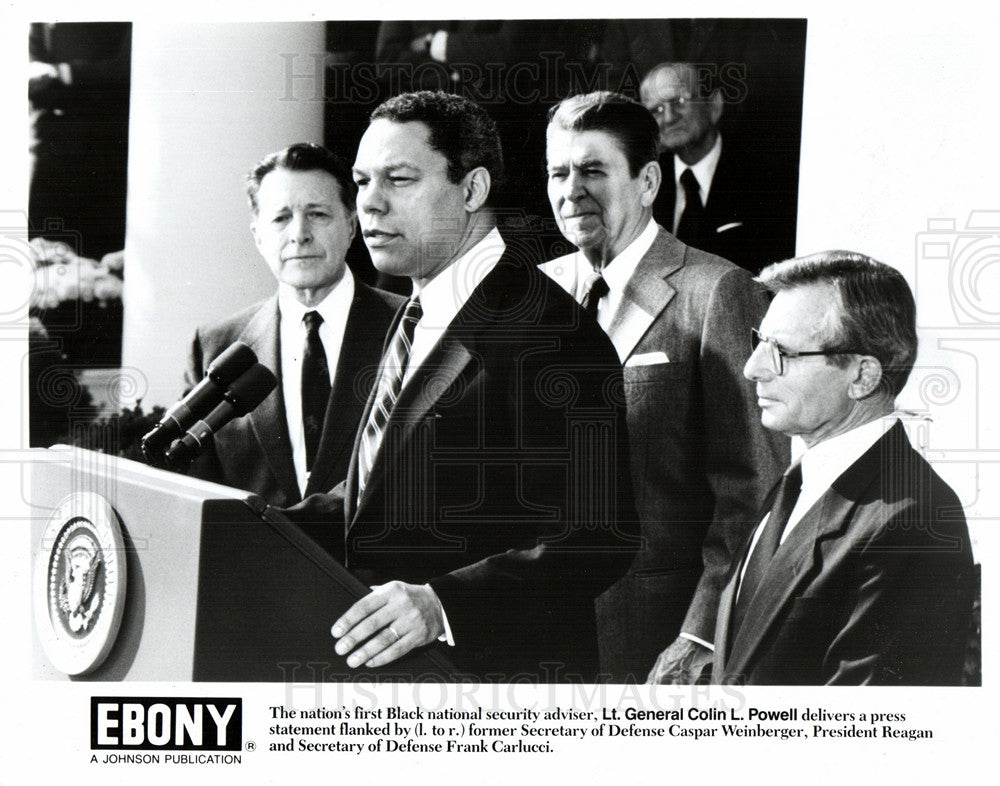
(142, 574)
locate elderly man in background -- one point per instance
(731, 199)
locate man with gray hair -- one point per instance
(731, 199)
(859, 573)
(701, 462)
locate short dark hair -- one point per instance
(877, 311)
(459, 129)
(304, 157)
(626, 120)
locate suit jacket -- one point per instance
(750, 214)
(872, 586)
(502, 481)
(701, 461)
(253, 452)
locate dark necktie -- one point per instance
(387, 390)
(596, 288)
(689, 227)
(784, 501)
(315, 386)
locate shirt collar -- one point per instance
(704, 170)
(444, 295)
(826, 461)
(337, 301)
(620, 269)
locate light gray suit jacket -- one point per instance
(701, 461)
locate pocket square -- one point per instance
(727, 227)
(647, 359)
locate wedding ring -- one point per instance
(393, 632)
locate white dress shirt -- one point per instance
(704, 173)
(822, 464)
(441, 299)
(616, 274)
(444, 295)
(291, 341)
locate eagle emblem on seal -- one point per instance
(79, 599)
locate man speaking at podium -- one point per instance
(487, 501)
(319, 334)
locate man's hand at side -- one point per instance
(680, 664)
(383, 626)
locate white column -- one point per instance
(208, 101)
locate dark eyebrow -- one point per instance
(388, 170)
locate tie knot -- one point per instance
(312, 320)
(413, 311)
(597, 287)
(690, 183)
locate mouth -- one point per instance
(302, 257)
(376, 238)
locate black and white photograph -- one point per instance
(574, 388)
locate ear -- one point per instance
(476, 188)
(867, 379)
(650, 176)
(253, 231)
(715, 107)
(352, 224)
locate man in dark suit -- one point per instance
(488, 496)
(298, 441)
(678, 317)
(734, 200)
(860, 571)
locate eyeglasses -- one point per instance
(776, 354)
(673, 104)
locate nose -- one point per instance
(371, 199)
(301, 231)
(758, 367)
(671, 112)
(573, 186)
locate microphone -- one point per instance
(221, 373)
(242, 398)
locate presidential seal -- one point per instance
(79, 591)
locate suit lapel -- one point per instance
(450, 357)
(795, 561)
(268, 420)
(647, 293)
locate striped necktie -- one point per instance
(387, 391)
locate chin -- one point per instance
(390, 264)
(769, 421)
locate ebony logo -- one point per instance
(167, 723)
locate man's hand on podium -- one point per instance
(385, 625)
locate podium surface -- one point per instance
(213, 590)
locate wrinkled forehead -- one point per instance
(669, 82)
